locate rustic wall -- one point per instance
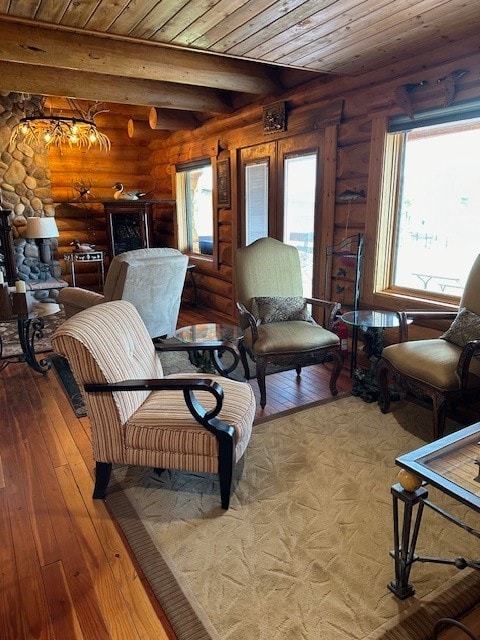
(24, 172)
(352, 158)
(25, 186)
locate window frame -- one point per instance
(182, 233)
(381, 226)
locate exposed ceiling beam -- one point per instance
(171, 120)
(67, 49)
(26, 78)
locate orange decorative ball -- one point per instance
(408, 480)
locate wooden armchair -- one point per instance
(443, 369)
(273, 313)
(140, 417)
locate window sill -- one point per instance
(397, 300)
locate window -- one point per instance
(256, 201)
(299, 211)
(430, 210)
(195, 207)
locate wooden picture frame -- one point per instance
(223, 183)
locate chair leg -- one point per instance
(225, 468)
(102, 477)
(261, 370)
(243, 356)
(337, 368)
(439, 405)
(381, 375)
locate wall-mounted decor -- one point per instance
(274, 118)
(223, 183)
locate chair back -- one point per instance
(267, 267)
(108, 343)
(471, 293)
(152, 280)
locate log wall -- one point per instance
(350, 152)
(352, 161)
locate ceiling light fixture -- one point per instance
(77, 130)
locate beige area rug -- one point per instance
(303, 552)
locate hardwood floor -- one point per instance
(66, 573)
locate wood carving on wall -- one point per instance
(402, 96)
(274, 118)
(449, 84)
(223, 183)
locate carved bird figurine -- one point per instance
(82, 247)
(121, 194)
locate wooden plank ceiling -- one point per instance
(202, 55)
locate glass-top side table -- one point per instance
(30, 327)
(372, 323)
(207, 345)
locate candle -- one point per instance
(20, 286)
(1, 277)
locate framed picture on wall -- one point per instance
(223, 183)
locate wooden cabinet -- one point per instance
(130, 224)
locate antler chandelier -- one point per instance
(75, 129)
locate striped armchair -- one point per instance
(140, 417)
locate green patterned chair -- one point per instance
(274, 314)
(140, 417)
(444, 369)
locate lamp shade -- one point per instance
(41, 228)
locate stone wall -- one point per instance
(25, 187)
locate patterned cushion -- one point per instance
(281, 309)
(464, 328)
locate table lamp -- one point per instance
(42, 229)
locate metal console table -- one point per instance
(93, 256)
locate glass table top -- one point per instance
(372, 319)
(209, 332)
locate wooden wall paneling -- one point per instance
(354, 131)
(328, 205)
(353, 161)
(350, 215)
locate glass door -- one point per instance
(281, 198)
(300, 173)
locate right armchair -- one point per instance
(444, 369)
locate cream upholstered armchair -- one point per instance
(151, 279)
(444, 369)
(140, 417)
(274, 314)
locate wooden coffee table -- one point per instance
(452, 465)
(211, 346)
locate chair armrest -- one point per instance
(187, 385)
(468, 351)
(332, 309)
(420, 314)
(253, 322)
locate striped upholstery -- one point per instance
(109, 343)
